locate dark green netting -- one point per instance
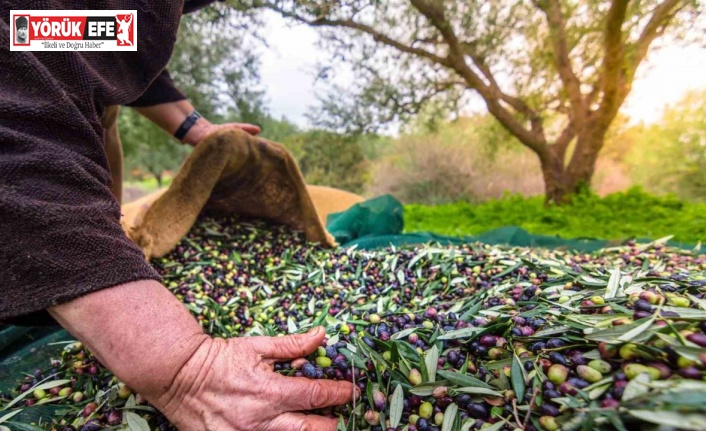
(371, 224)
(23, 350)
(379, 223)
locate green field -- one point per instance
(618, 216)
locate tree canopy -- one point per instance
(552, 72)
(215, 66)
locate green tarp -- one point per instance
(371, 224)
(379, 223)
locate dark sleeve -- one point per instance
(194, 5)
(60, 229)
(60, 233)
(161, 90)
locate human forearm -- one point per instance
(169, 117)
(147, 339)
(138, 330)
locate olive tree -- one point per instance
(554, 73)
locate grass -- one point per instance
(619, 216)
(148, 184)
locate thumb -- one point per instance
(289, 347)
(251, 129)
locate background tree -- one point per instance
(670, 155)
(214, 64)
(147, 149)
(554, 73)
(330, 159)
(471, 159)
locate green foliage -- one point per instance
(670, 156)
(147, 148)
(618, 216)
(273, 129)
(470, 159)
(330, 159)
(549, 72)
(214, 66)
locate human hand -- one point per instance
(231, 385)
(203, 128)
(231, 173)
(169, 116)
(148, 339)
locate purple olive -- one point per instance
(697, 338)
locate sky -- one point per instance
(288, 64)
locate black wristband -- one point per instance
(187, 125)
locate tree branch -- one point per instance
(614, 50)
(377, 35)
(534, 138)
(654, 28)
(565, 138)
(515, 102)
(562, 61)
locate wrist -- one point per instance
(138, 330)
(192, 375)
(197, 132)
(171, 116)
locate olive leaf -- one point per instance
(135, 422)
(634, 332)
(426, 389)
(431, 360)
(686, 313)
(291, 325)
(637, 387)
(7, 417)
(462, 379)
(691, 353)
(449, 417)
(402, 334)
(518, 378)
(613, 284)
(478, 391)
(616, 334)
(42, 386)
(680, 420)
(462, 333)
(700, 302)
(396, 406)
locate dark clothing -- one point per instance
(162, 90)
(60, 236)
(194, 5)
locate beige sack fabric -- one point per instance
(231, 172)
(327, 200)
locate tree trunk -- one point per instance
(560, 182)
(556, 183)
(157, 174)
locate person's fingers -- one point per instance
(302, 422)
(298, 363)
(301, 393)
(250, 128)
(289, 347)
